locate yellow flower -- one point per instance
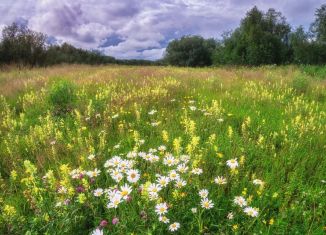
(271, 221)
(9, 211)
(13, 175)
(82, 198)
(235, 227)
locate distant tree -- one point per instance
(318, 27)
(22, 45)
(191, 51)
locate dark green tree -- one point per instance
(191, 51)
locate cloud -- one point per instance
(140, 29)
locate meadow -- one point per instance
(163, 150)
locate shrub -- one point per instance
(301, 84)
(62, 97)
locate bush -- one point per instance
(301, 84)
(62, 97)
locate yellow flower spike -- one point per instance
(81, 198)
(46, 217)
(249, 199)
(244, 191)
(220, 155)
(235, 227)
(271, 221)
(230, 132)
(9, 211)
(242, 160)
(13, 175)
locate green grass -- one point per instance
(271, 119)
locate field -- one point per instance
(159, 150)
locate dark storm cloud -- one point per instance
(141, 29)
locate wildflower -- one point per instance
(232, 163)
(154, 188)
(125, 191)
(253, 212)
(9, 211)
(170, 161)
(81, 198)
(91, 157)
(114, 201)
(93, 173)
(115, 221)
(240, 201)
(197, 171)
(164, 219)
(115, 116)
(98, 192)
(161, 148)
(161, 208)
(203, 193)
(103, 223)
(180, 183)
(194, 210)
(182, 168)
(174, 227)
(220, 180)
(207, 204)
(257, 182)
(163, 181)
(97, 232)
(173, 175)
(230, 216)
(152, 112)
(133, 176)
(192, 108)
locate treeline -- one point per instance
(261, 38)
(22, 46)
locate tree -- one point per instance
(262, 38)
(22, 45)
(318, 27)
(191, 51)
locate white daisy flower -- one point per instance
(220, 180)
(173, 175)
(97, 232)
(253, 212)
(174, 227)
(257, 182)
(203, 193)
(164, 219)
(163, 181)
(180, 183)
(98, 192)
(240, 201)
(197, 171)
(161, 208)
(93, 173)
(232, 163)
(207, 204)
(125, 190)
(133, 176)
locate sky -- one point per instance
(141, 29)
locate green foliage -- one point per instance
(301, 84)
(260, 39)
(62, 97)
(192, 51)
